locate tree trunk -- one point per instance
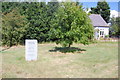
(10, 42)
(11, 36)
(69, 45)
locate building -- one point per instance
(100, 26)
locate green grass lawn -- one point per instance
(99, 60)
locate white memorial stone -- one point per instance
(30, 49)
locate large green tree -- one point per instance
(52, 7)
(13, 28)
(103, 9)
(36, 16)
(71, 24)
(39, 15)
(64, 23)
(9, 6)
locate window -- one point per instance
(101, 32)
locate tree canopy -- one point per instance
(71, 24)
(103, 9)
(62, 22)
(13, 28)
(115, 26)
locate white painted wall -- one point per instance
(105, 29)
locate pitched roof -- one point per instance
(97, 20)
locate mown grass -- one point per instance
(99, 60)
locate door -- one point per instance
(102, 33)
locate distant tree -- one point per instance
(71, 24)
(115, 26)
(103, 9)
(13, 28)
(94, 10)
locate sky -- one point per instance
(114, 11)
(93, 3)
(113, 5)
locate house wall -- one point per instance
(105, 29)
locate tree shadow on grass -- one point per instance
(5, 49)
(67, 49)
